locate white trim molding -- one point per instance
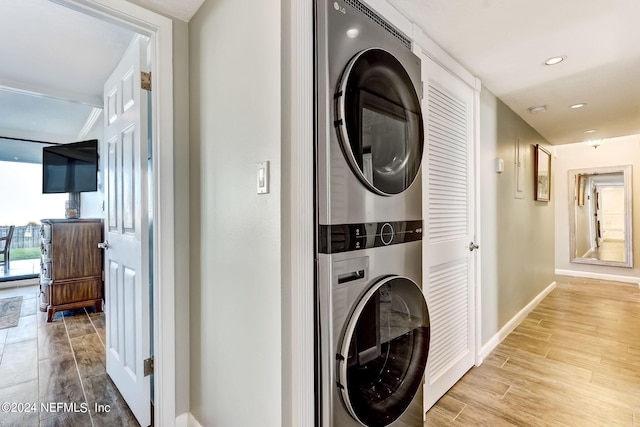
(298, 266)
(478, 220)
(599, 276)
(442, 58)
(513, 323)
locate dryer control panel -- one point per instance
(352, 237)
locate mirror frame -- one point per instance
(628, 220)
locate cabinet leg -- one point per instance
(50, 313)
(99, 306)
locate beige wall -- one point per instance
(235, 301)
(181, 211)
(614, 152)
(517, 235)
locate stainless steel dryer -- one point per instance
(370, 134)
(373, 322)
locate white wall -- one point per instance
(235, 111)
(614, 152)
(91, 202)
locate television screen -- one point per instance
(70, 168)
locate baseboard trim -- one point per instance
(600, 276)
(187, 420)
(513, 323)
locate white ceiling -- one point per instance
(53, 61)
(53, 65)
(505, 42)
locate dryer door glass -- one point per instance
(384, 352)
(379, 122)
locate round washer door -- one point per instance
(384, 351)
(379, 122)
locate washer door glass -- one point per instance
(384, 351)
(379, 122)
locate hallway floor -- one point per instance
(574, 361)
(46, 365)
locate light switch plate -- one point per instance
(263, 177)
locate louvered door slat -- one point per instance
(447, 164)
(448, 229)
(448, 297)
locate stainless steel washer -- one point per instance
(374, 336)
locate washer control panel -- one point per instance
(352, 237)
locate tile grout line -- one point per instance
(73, 352)
(460, 412)
(96, 330)
(506, 392)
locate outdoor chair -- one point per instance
(5, 246)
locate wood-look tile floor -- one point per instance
(574, 361)
(57, 363)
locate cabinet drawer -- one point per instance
(67, 292)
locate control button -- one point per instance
(386, 234)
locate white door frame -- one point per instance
(160, 30)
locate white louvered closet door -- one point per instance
(448, 209)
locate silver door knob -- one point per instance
(104, 245)
(473, 246)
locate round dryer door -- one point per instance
(384, 352)
(379, 122)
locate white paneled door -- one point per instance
(126, 230)
(448, 209)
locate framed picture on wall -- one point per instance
(542, 177)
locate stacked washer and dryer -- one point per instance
(372, 319)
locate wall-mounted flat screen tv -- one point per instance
(70, 168)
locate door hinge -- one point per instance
(146, 80)
(148, 366)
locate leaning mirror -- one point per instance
(600, 216)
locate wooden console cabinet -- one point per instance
(70, 265)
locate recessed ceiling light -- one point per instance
(579, 105)
(590, 131)
(555, 60)
(538, 109)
